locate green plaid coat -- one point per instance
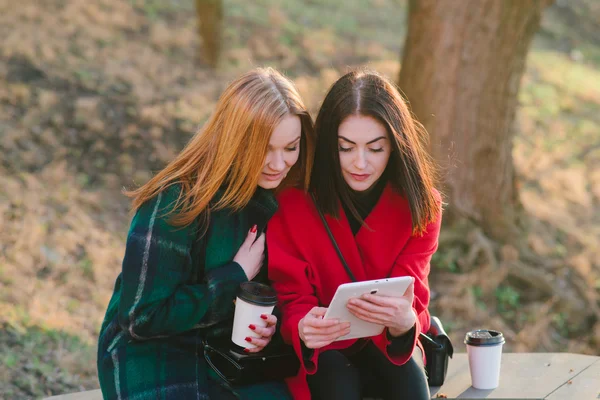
(174, 289)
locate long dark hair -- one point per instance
(410, 168)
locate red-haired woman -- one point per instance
(197, 233)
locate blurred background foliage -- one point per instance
(96, 95)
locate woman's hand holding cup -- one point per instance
(253, 322)
(317, 332)
(265, 333)
(395, 313)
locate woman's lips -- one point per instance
(360, 177)
(272, 177)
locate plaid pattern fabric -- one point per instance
(174, 289)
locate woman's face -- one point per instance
(283, 151)
(364, 149)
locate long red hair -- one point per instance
(230, 150)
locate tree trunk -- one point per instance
(461, 70)
(210, 20)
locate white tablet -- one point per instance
(358, 327)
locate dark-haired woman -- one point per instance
(373, 181)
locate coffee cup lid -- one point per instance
(257, 293)
(484, 337)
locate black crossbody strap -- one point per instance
(335, 245)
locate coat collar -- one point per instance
(259, 210)
(262, 200)
(377, 237)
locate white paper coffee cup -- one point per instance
(484, 350)
(253, 300)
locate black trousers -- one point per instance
(368, 373)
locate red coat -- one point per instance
(306, 270)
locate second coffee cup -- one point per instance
(484, 350)
(253, 299)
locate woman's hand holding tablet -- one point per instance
(317, 332)
(393, 312)
(370, 306)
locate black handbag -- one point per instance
(276, 362)
(436, 342)
(438, 350)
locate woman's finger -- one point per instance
(318, 311)
(310, 330)
(260, 343)
(250, 237)
(384, 301)
(259, 244)
(254, 349)
(388, 305)
(263, 332)
(315, 342)
(270, 318)
(329, 337)
(339, 334)
(370, 307)
(368, 316)
(320, 323)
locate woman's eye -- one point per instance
(345, 149)
(377, 150)
(292, 148)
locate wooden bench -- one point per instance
(553, 376)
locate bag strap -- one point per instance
(335, 245)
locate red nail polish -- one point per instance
(253, 230)
(248, 339)
(252, 327)
(246, 350)
(263, 316)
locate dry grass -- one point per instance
(56, 248)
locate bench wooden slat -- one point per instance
(522, 376)
(584, 385)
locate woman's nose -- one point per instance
(361, 160)
(277, 162)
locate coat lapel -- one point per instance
(380, 244)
